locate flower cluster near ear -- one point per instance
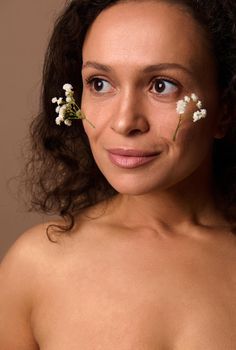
(67, 108)
(181, 109)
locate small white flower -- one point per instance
(67, 87)
(69, 93)
(62, 113)
(67, 108)
(199, 115)
(181, 106)
(204, 113)
(187, 99)
(63, 108)
(196, 116)
(199, 104)
(60, 101)
(194, 97)
(68, 122)
(68, 99)
(59, 120)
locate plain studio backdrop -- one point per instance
(25, 27)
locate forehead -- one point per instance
(139, 32)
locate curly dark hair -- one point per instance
(63, 177)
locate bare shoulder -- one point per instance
(19, 271)
(24, 252)
(26, 273)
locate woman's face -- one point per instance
(139, 59)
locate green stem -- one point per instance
(84, 117)
(89, 122)
(178, 126)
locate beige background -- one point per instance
(25, 26)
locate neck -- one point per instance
(190, 202)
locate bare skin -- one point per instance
(155, 268)
(108, 285)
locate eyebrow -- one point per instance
(147, 69)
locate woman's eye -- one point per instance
(99, 85)
(164, 87)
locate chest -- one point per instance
(137, 303)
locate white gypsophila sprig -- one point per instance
(181, 107)
(199, 115)
(67, 87)
(67, 109)
(54, 100)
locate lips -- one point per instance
(131, 158)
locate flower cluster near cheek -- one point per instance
(182, 106)
(67, 108)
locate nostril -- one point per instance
(135, 132)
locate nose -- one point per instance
(130, 116)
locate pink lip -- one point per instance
(129, 158)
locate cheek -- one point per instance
(164, 122)
(195, 139)
(96, 112)
(162, 118)
(195, 136)
(195, 146)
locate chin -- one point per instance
(135, 187)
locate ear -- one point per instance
(223, 123)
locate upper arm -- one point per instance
(16, 297)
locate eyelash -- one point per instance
(89, 82)
(165, 80)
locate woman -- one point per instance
(145, 255)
